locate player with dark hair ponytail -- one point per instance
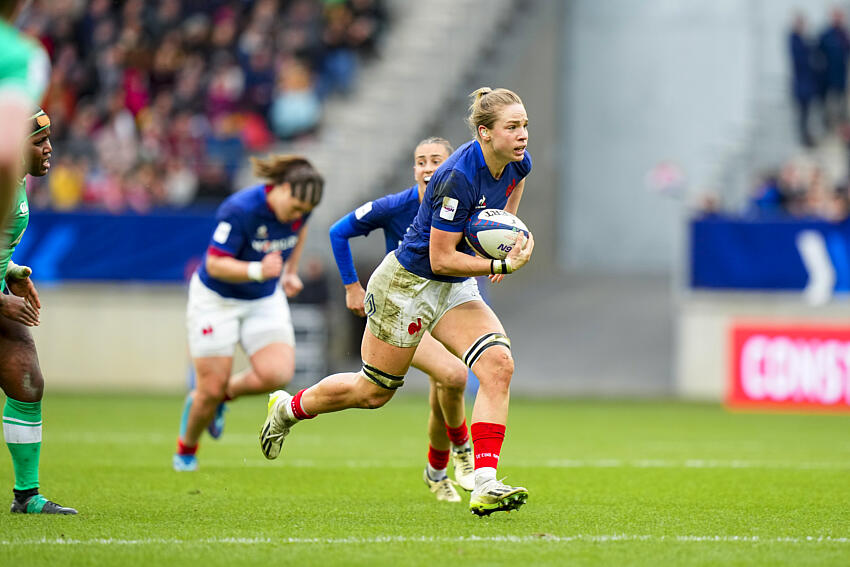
(237, 295)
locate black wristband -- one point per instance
(492, 271)
(504, 267)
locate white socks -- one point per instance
(436, 475)
(484, 474)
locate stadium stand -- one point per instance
(157, 103)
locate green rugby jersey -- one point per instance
(24, 66)
(14, 230)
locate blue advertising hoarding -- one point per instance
(760, 254)
(156, 247)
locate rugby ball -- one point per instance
(493, 232)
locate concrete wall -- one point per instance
(661, 80)
(95, 337)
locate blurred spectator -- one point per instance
(768, 198)
(155, 103)
(804, 87)
(800, 189)
(296, 107)
(835, 48)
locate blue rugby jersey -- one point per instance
(461, 185)
(247, 230)
(394, 213)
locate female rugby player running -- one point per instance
(235, 296)
(447, 429)
(426, 285)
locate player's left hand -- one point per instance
(292, 285)
(19, 283)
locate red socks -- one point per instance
(487, 443)
(458, 435)
(184, 449)
(438, 460)
(297, 410)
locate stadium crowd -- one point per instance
(800, 188)
(813, 183)
(156, 104)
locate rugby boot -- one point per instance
(464, 464)
(443, 489)
(277, 425)
(494, 496)
(38, 504)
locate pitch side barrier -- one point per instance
(765, 320)
(114, 291)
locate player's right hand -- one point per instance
(19, 309)
(19, 283)
(355, 296)
(272, 265)
(520, 254)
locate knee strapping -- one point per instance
(381, 378)
(484, 342)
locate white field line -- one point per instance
(540, 538)
(245, 440)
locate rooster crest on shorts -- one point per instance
(415, 327)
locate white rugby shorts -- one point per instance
(401, 306)
(215, 323)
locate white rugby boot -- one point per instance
(464, 464)
(443, 489)
(277, 425)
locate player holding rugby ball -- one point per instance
(426, 285)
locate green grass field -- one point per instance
(611, 483)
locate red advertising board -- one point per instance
(796, 367)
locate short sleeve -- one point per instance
(28, 74)
(229, 233)
(452, 202)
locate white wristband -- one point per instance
(255, 271)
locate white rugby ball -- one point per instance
(492, 233)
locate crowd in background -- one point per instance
(800, 188)
(803, 186)
(156, 104)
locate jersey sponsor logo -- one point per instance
(262, 231)
(448, 209)
(222, 232)
(363, 210)
(207, 330)
(266, 246)
(482, 202)
(414, 328)
(369, 304)
(511, 188)
(24, 209)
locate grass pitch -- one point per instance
(611, 483)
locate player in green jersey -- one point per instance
(24, 71)
(20, 375)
